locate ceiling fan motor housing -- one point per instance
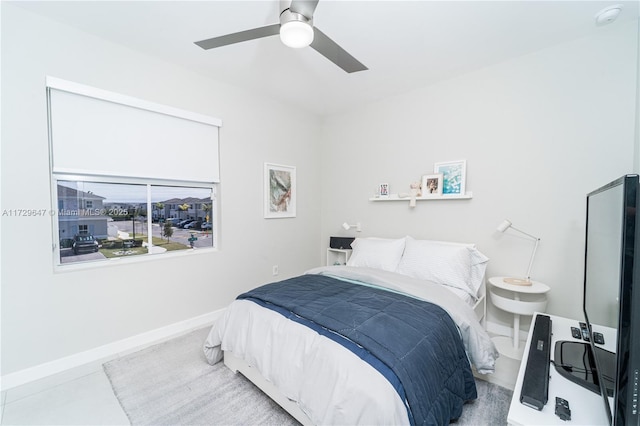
(289, 16)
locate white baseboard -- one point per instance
(107, 352)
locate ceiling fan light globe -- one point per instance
(296, 34)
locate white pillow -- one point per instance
(453, 264)
(379, 253)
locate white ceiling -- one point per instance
(405, 44)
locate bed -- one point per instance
(390, 338)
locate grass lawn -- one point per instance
(121, 252)
(133, 251)
(161, 242)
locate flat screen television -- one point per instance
(612, 294)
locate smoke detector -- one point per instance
(608, 15)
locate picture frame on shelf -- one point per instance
(454, 174)
(383, 190)
(431, 184)
(279, 191)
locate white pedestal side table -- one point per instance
(536, 302)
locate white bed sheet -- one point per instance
(463, 295)
(330, 383)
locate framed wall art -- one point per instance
(431, 184)
(453, 176)
(383, 190)
(279, 191)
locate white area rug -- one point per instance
(172, 384)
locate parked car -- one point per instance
(84, 243)
(173, 221)
(206, 226)
(184, 223)
(193, 224)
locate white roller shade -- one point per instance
(102, 133)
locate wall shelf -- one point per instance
(396, 197)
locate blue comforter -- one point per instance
(415, 344)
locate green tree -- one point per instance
(183, 208)
(206, 208)
(159, 207)
(167, 230)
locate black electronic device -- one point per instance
(575, 333)
(340, 242)
(535, 384)
(612, 292)
(562, 409)
(576, 362)
(598, 338)
(585, 331)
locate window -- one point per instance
(126, 199)
(127, 220)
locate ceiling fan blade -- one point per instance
(336, 54)
(304, 7)
(241, 36)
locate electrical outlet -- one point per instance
(275, 270)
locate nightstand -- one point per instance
(535, 301)
(338, 256)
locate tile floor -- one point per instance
(80, 397)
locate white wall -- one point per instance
(538, 132)
(47, 315)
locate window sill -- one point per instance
(103, 263)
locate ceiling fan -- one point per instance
(296, 30)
